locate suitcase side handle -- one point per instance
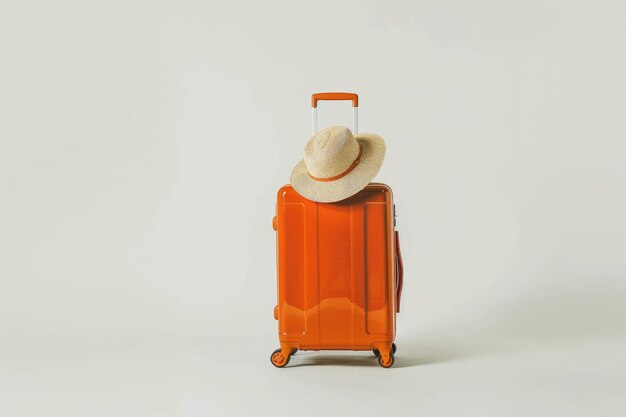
(335, 96)
(399, 272)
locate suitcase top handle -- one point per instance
(335, 96)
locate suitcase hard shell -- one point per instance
(339, 273)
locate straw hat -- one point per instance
(337, 164)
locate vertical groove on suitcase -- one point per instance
(317, 273)
(375, 250)
(353, 277)
(294, 288)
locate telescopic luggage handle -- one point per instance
(335, 96)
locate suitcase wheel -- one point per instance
(388, 363)
(377, 352)
(279, 360)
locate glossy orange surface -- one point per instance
(336, 264)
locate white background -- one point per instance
(141, 146)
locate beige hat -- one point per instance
(337, 164)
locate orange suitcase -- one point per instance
(339, 274)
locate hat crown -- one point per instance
(330, 152)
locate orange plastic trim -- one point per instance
(335, 96)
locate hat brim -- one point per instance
(347, 186)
